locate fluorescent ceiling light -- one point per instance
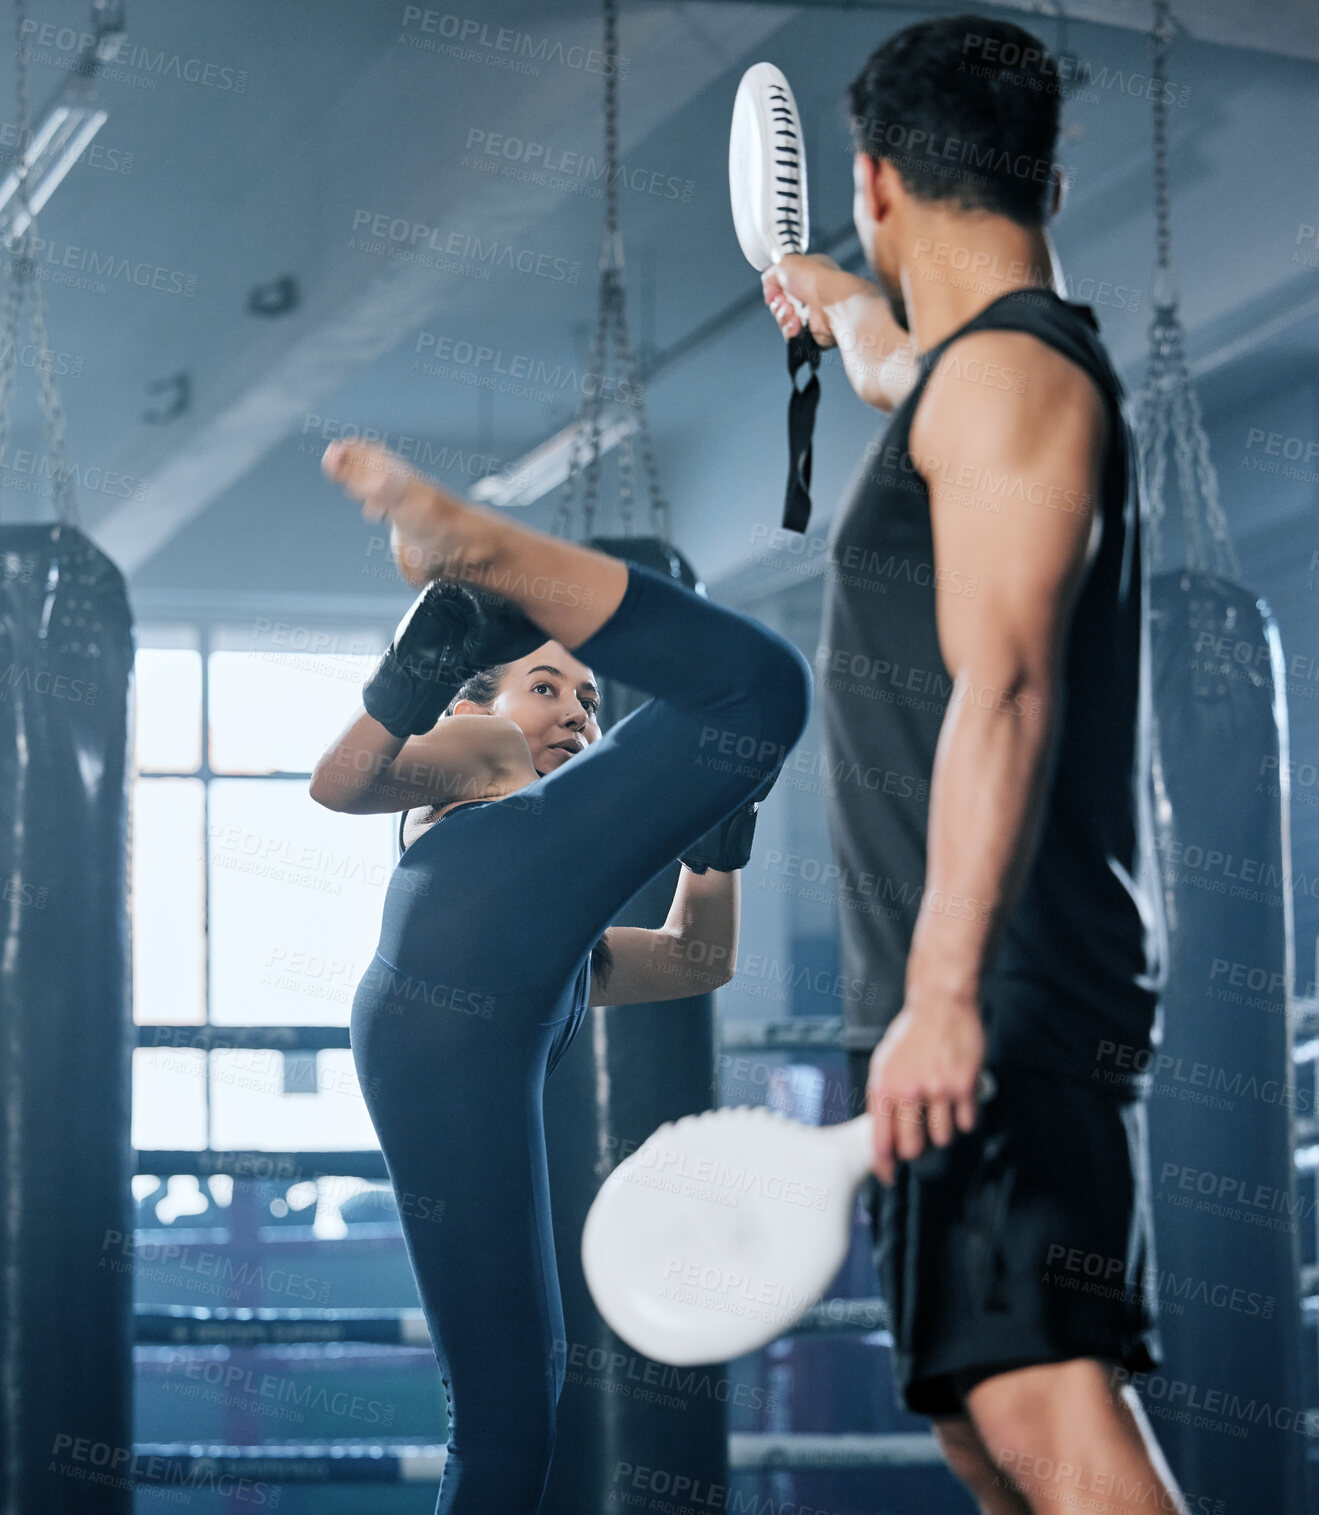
(546, 467)
(54, 149)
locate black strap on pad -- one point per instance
(803, 351)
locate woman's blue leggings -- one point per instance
(481, 980)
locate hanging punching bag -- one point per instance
(1228, 1402)
(66, 663)
(624, 1419)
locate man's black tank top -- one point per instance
(1073, 988)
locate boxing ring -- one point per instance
(186, 1327)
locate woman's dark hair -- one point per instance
(966, 109)
(481, 688)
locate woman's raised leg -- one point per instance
(568, 590)
(699, 655)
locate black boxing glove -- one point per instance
(500, 632)
(424, 666)
(727, 846)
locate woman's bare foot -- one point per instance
(433, 534)
(568, 590)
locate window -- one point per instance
(251, 904)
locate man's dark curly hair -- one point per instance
(966, 109)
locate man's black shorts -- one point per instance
(1027, 1240)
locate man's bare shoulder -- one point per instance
(1011, 379)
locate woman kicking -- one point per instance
(527, 832)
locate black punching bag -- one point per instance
(1227, 1403)
(66, 665)
(631, 1430)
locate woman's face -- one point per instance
(553, 698)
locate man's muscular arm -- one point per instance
(1013, 475)
(849, 313)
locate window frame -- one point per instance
(205, 633)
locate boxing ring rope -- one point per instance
(211, 1466)
(750, 1452)
(197, 1326)
(186, 1326)
(815, 1033)
(286, 1167)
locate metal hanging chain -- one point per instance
(1169, 408)
(583, 460)
(634, 395)
(611, 316)
(24, 281)
(15, 287)
(586, 437)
